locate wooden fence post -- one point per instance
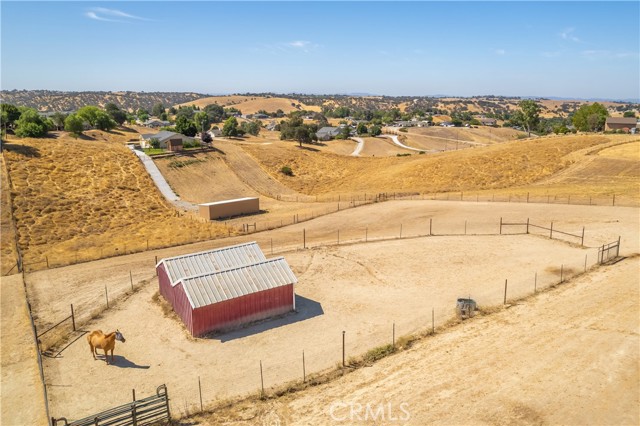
(505, 293)
(200, 392)
(304, 369)
(73, 318)
(582, 240)
(561, 273)
(527, 225)
(535, 282)
(501, 226)
(261, 381)
(343, 351)
(304, 238)
(106, 295)
(551, 231)
(585, 263)
(433, 321)
(131, 279)
(430, 226)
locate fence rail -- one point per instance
(551, 230)
(151, 410)
(609, 251)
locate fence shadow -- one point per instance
(305, 309)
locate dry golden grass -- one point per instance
(507, 165)
(253, 104)
(8, 253)
(89, 198)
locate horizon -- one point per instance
(566, 50)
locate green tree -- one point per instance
(631, 114)
(186, 112)
(528, 116)
(157, 109)
(186, 126)
(89, 114)
(590, 118)
(104, 121)
(215, 113)
(202, 122)
(58, 120)
(362, 129)
(345, 132)
(230, 127)
(375, 130)
(116, 113)
(155, 143)
(251, 127)
(74, 124)
(142, 114)
(10, 114)
(30, 124)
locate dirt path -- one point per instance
(568, 356)
(21, 393)
(356, 152)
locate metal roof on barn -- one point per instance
(211, 261)
(217, 287)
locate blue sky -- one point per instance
(565, 49)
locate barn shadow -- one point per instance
(305, 309)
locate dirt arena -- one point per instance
(361, 288)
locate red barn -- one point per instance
(226, 288)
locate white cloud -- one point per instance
(105, 15)
(500, 52)
(567, 34)
(555, 54)
(299, 44)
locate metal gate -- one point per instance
(609, 251)
(147, 411)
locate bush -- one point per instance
(403, 130)
(286, 170)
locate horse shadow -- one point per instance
(122, 362)
(305, 309)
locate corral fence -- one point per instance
(151, 410)
(54, 343)
(528, 225)
(609, 251)
(342, 202)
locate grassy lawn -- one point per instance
(154, 151)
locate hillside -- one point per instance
(50, 100)
(505, 165)
(89, 198)
(253, 104)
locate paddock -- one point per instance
(374, 288)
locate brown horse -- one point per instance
(106, 342)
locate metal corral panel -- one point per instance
(217, 287)
(206, 262)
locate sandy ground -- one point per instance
(21, 392)
(360, 288)
(568, 356)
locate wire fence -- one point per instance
(243, 226)
(277, 373)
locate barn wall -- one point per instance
(242, 310)
(165, 283)
(182, 307)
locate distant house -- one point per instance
(621, 123)
(168, 140)
(215, 133)
(447, 124)
(271, 126)
(155, 124)
(487, 121)
(260, 116)
(405, 123)
(327, 133)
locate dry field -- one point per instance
(253, 104)
(8, 254)
(89, 198)
(505, 165)
(370, 286)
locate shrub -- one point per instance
(286, 170)
(403, 130)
